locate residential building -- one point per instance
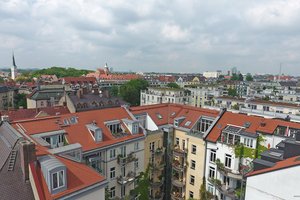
(110, 141)
(183, 128)
(282, 166)
(45, 97)
(164, 95)
(83, 100)
(215, 74)
(232, 144)
(37, 173)
(7, 97)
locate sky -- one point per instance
(159, 35)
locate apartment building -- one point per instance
(282, 166)
(109, 141)
(36, 172)
(232, 144)
(164, 95)
(183, 128)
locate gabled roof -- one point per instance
(77, 132)
(290, 162)
(169, 112)
(34, 113)
(257, 124)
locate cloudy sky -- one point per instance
(159, 35)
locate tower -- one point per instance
(14, 70)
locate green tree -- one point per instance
(20, 100)
(143, 185)
(131, 91)
(232, 92)
(114, 91)
(249, 77)
(173, 85)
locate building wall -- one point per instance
(274, 185)
(198, 158)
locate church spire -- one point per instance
(13, 58)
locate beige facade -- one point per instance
(187, 165)
(154, 158)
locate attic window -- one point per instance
(187, 123)
(66, 122)
(247, 124)
(73, 120)
(58, 180)
(158, 116)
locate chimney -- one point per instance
(27, 155)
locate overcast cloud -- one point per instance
(169, 36)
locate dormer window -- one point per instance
(58, 180)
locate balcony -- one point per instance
(227, 191)
(157, 167)
(177, 196)
(178, 166)
(126, 179)
(157, 183)
(126, 159)
(178, 182)
(179, 152)
(157, 196)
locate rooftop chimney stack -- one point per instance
(27, 155)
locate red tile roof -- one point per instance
(290, 162)
(169, 112)
(78, 133)
(79, 176)
(258, 124)
(79, 80)
(21, 114)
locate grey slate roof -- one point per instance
(12, 185)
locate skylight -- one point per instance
(158, 116)
(187, 123)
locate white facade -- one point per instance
(280, 184)
(215, 74)
(163, 95)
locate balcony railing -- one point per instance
(178, 182)
(126, 159)
(178, 166)
(157, 183)
(177, 196)
(126, 179)
(179, 152)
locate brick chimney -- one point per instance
(27, 155)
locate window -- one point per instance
(191, 195)
(248, 142)
(210, 188)
(123, 151)
(193, 164)
(227, 160)
(58, 179)
(136, 164)
(192, 180)
(112, 192)
(194, 149)
(212, 155)
(112, 172)
(112, 153)
(211, 172)
(136, 146)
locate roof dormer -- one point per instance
(54, 173)
(95, 131)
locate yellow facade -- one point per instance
(193, 154)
